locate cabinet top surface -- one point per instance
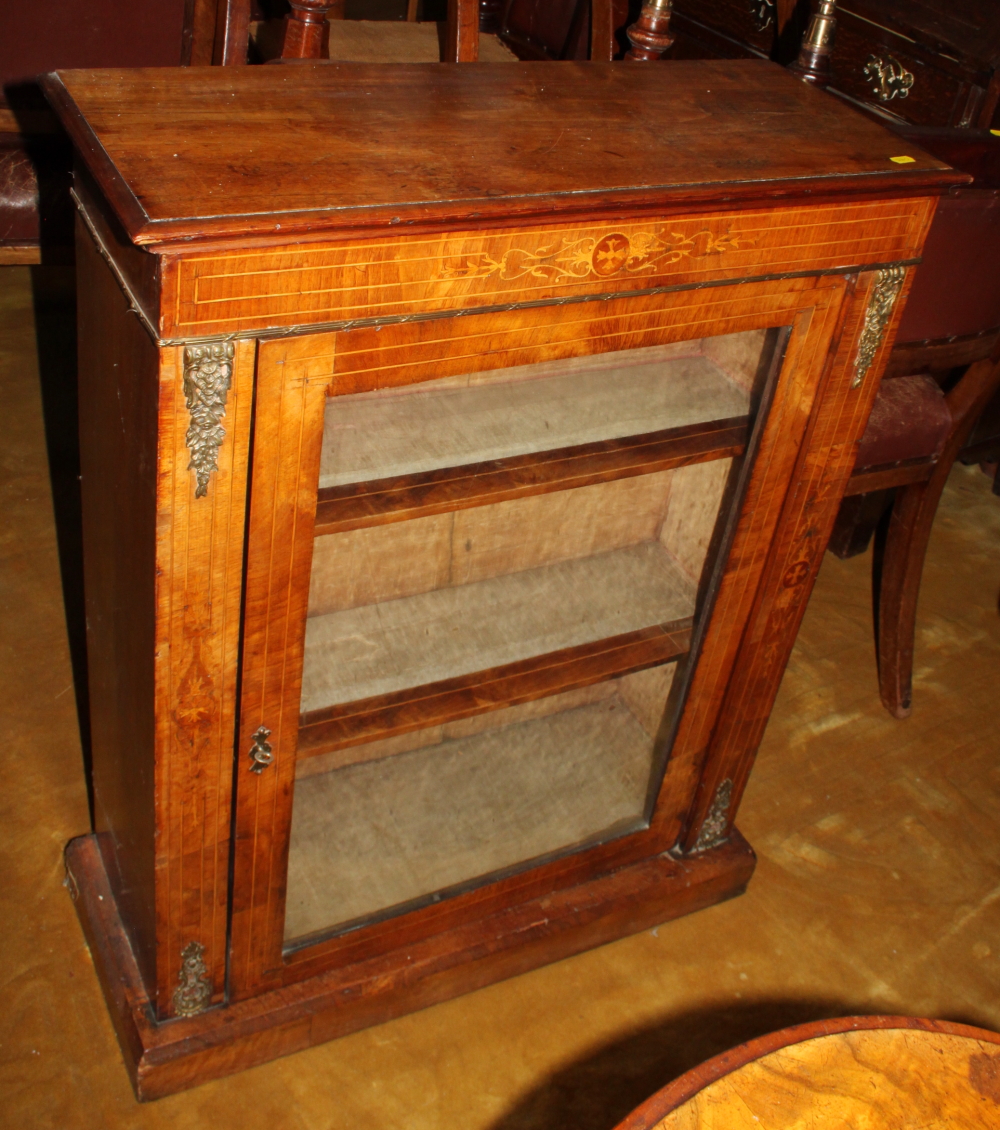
(222, 152)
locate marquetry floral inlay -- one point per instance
(617, 253)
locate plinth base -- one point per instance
(163, 1058)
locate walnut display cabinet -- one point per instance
(459, 444)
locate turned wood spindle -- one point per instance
(649, 35)
(463, 32)
(813, 63)
(307, 34)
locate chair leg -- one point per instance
(906, 541)
(857, 519)
(898, 588)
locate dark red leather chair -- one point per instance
(44, 35)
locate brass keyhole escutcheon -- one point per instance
(261, 753)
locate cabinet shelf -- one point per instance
(499, 414)
(343, 728)
(466, 806)
(375, 649)
(357, 505)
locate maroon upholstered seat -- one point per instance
(909, 420)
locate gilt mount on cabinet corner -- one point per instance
(713, 830)
(208, 373)
(888, 284)
(194, 989)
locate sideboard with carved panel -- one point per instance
(457, 462)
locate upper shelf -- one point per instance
(454, 442)
(495, 415)
(214, 152)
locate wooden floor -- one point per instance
(878, 887)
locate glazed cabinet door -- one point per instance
(498, 570)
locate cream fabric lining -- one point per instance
(492, 792)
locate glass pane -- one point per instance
(507, 565)
(388, 823)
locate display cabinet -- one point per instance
(460, 445)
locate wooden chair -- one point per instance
(315, 29)
(944, 370)
(983, 445)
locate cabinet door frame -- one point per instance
(295, 374)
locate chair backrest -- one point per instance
(563, 29)
(218, 30)
(221, 30)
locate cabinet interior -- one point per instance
(507, 566)
(430, 811)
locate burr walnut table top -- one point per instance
(875, 1072)
(210, 153)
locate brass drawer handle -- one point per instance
(889, 78)
(762, 13)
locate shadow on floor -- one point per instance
(54, 301)
(597, 1092)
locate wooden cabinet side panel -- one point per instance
(293, 377)
(138, 271)
(199, 567)
(118, 366)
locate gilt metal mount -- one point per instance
(888, 284)
(713, 830)
(194, 990)
(208, 372)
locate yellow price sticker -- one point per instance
(995, 132)
(902, 160)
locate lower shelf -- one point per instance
(473, 799)
(164, 1058)
(342, 735)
